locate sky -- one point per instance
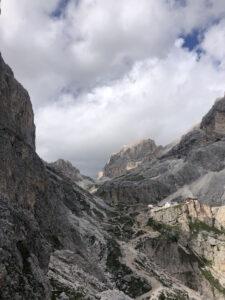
(104, 73)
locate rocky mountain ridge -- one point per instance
(194, 167)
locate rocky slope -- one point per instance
(72, 173)
(129, 157)
(57, 241)
(179, 249)
(194, 167)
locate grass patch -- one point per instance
(213, 281)
(198, 226)
(171, 296)
(164, 228)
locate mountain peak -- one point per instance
(129, 157)
(214, 121)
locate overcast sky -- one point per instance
(104, 73)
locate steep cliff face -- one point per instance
(214, 122)
(16, 112)
(195, 239)
(129, 157)
(40, 211)
(194, 167)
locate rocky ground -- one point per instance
(58, 241)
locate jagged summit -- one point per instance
(214, 120)
(195, 167)
(129, 157)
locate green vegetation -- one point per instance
(57, 290)
(192, 258)
(198, 226)
(172, 232)
(202, 263)
(213, 281)
(171, 296)
(123, 226)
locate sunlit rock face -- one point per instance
(214, 121)
(129, 157)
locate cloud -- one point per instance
(214, 42)
(158, 98)
(102, 73)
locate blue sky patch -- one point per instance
(192, 39)
(57, 13)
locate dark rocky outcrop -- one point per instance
(16, 112)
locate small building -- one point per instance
(150, 206)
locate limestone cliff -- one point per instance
(197, 238)
(129, 157)
(16, 112)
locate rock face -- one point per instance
(194, 167)
(129, 157)
(40, 211)
(191, 211)
(214, 122)
(72, 173)
(16, 112)
(197, 244)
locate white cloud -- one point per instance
(109, 72)
(158, 98)
(214, 42)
